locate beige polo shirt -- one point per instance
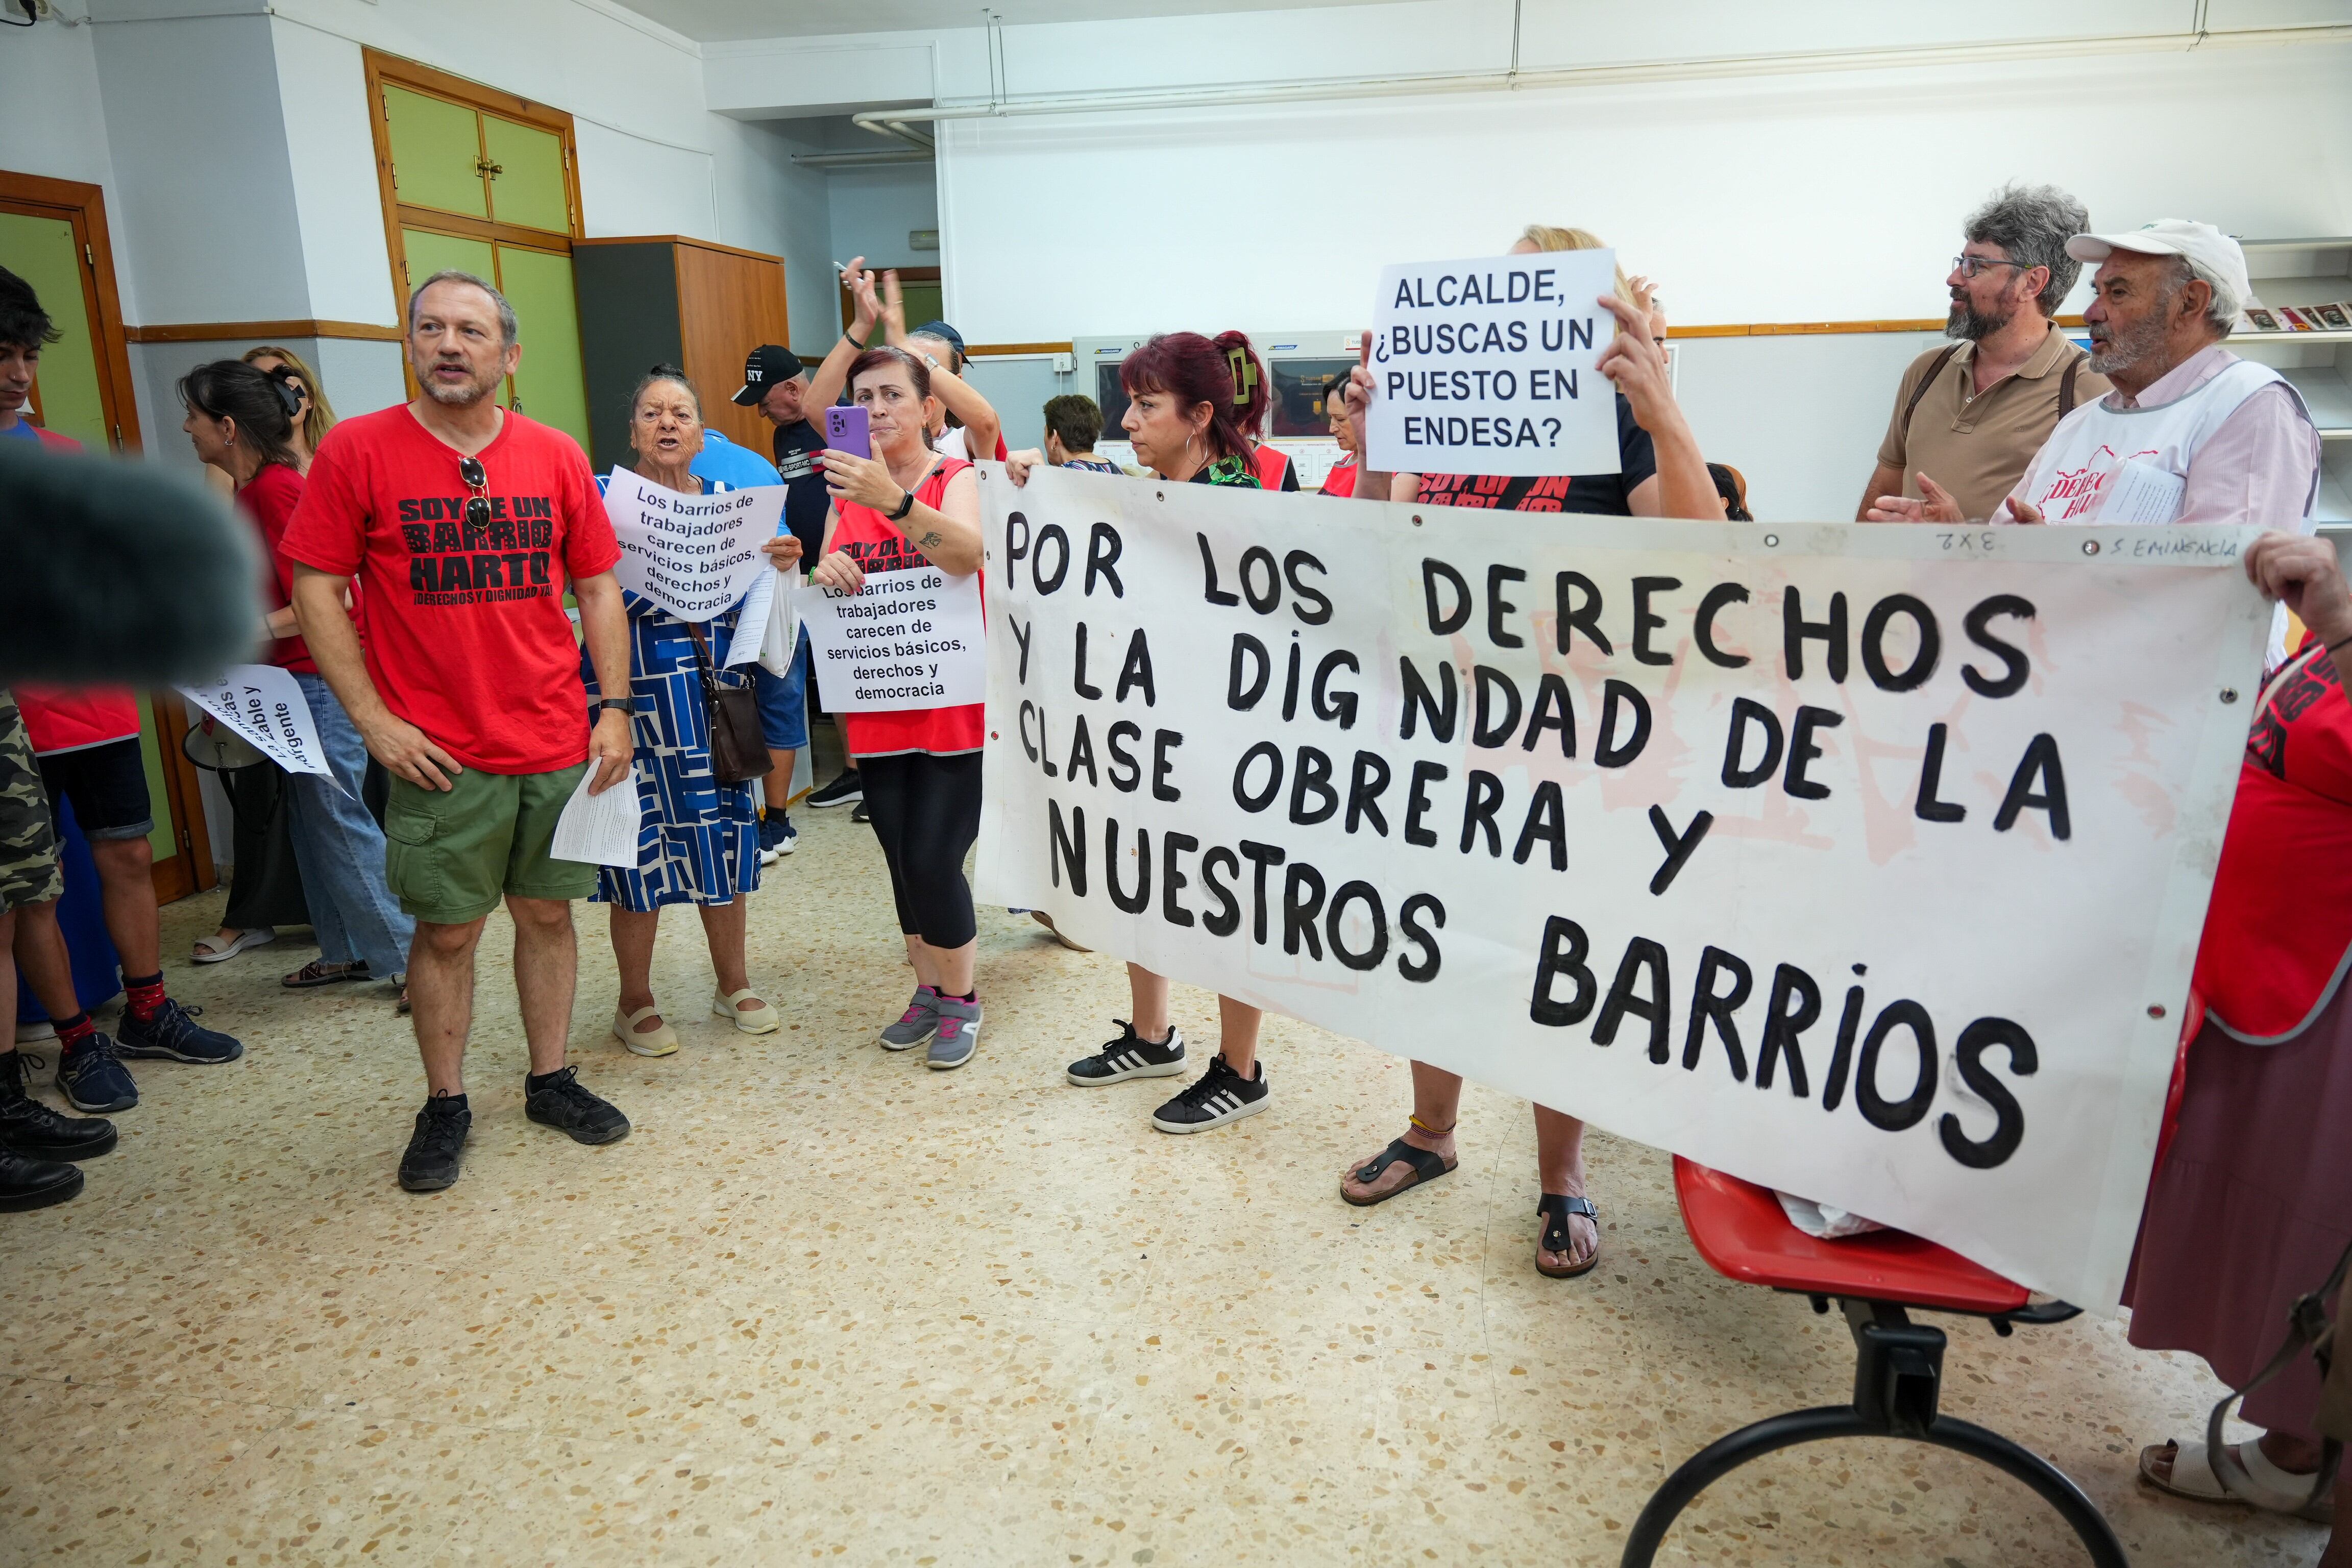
(1977, 445)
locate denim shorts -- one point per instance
(783, 702)
(108, 787)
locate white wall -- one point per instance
(773, 205)
(874, 210)
(48, 82)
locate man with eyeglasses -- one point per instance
(460, 524)
(1969, 416)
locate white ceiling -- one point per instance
(712, 21)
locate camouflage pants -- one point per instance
(28, 840)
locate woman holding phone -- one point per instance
(1192, 402)
(901, 507)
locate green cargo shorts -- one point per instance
(448, 855)
(28, 840)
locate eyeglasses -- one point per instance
(1969, 266)
(478, 479)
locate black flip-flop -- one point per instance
(1555, 1208)
(1426, 1167)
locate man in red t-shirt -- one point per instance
(462, 523)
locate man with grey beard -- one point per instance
(1969, 416)
(460, 524)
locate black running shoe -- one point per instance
(437, 1147)
(29, 1128)
(564, 1104)
(92, 1080)
(1223, 1095)
(847, 789)
(34, 1184)
(860, 815)
(173, 1031)
(1131, 1056)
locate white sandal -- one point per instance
(761, 1020)
(656, 1042)
(209, 950)
(2274, 1489)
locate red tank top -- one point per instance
(874, 543)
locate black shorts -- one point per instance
(108, 787)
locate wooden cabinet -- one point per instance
(664, 299)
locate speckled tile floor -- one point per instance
(826, 1305)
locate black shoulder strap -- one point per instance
(1935, 369)
(2066, 385)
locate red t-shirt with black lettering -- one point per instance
(467, 637)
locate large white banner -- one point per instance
(694, 555)
(1485, 366)
(265, 704)
(1866, 862)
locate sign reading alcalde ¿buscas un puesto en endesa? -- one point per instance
(1486, 367)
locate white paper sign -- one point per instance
(1867, 863)
(265, 704)
(1485, 366)
(910, 638)
(694, 555)
(598, 829)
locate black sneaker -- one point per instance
(1223, 1095)
(437, 1147)
(860, 813)
(847, 789)
(564, 1104)
(92, 1080)
(173, 1031)
(29, 1128)
(34, 1184)
(1131, 1056)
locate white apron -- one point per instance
(2131, 465)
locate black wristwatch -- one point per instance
(904, 508)
(626, 705)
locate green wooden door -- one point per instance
(45, 252)
(527, 176)
(551, 384)
(436, 153)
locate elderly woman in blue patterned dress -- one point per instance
(697, 840)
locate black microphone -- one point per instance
(120, 573)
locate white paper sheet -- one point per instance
(598, 829)
(751, 626)
(264, 705)
(2142, 493)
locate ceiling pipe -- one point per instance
(861, 159)
(898, 123)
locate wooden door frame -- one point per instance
(383, 69)
(84, 206)
(906, 275)
(184, 800)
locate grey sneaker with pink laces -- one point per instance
(919, 1022)
(958, 1034)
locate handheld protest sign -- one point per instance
(694, 555)
(264, 706)
(1867, 863)
(1486, 367)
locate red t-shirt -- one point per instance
(466, 638)
(873, 542)
(56, 719)
(269, 502)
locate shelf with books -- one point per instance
(2303, 293)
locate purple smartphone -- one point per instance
(845, 431)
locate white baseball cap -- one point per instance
(2199, 242)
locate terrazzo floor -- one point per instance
(825, 1305)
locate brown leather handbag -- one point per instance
(739, 752)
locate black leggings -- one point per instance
(926, 812)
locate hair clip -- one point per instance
(1245, 375)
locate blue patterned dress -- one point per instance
(697, 839)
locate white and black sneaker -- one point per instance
(847, 789)
(1223, 1095)
(1131, 1056)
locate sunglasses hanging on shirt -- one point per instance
(478, 479)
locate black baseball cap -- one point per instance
(767, 364)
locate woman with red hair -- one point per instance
(1193, 402)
